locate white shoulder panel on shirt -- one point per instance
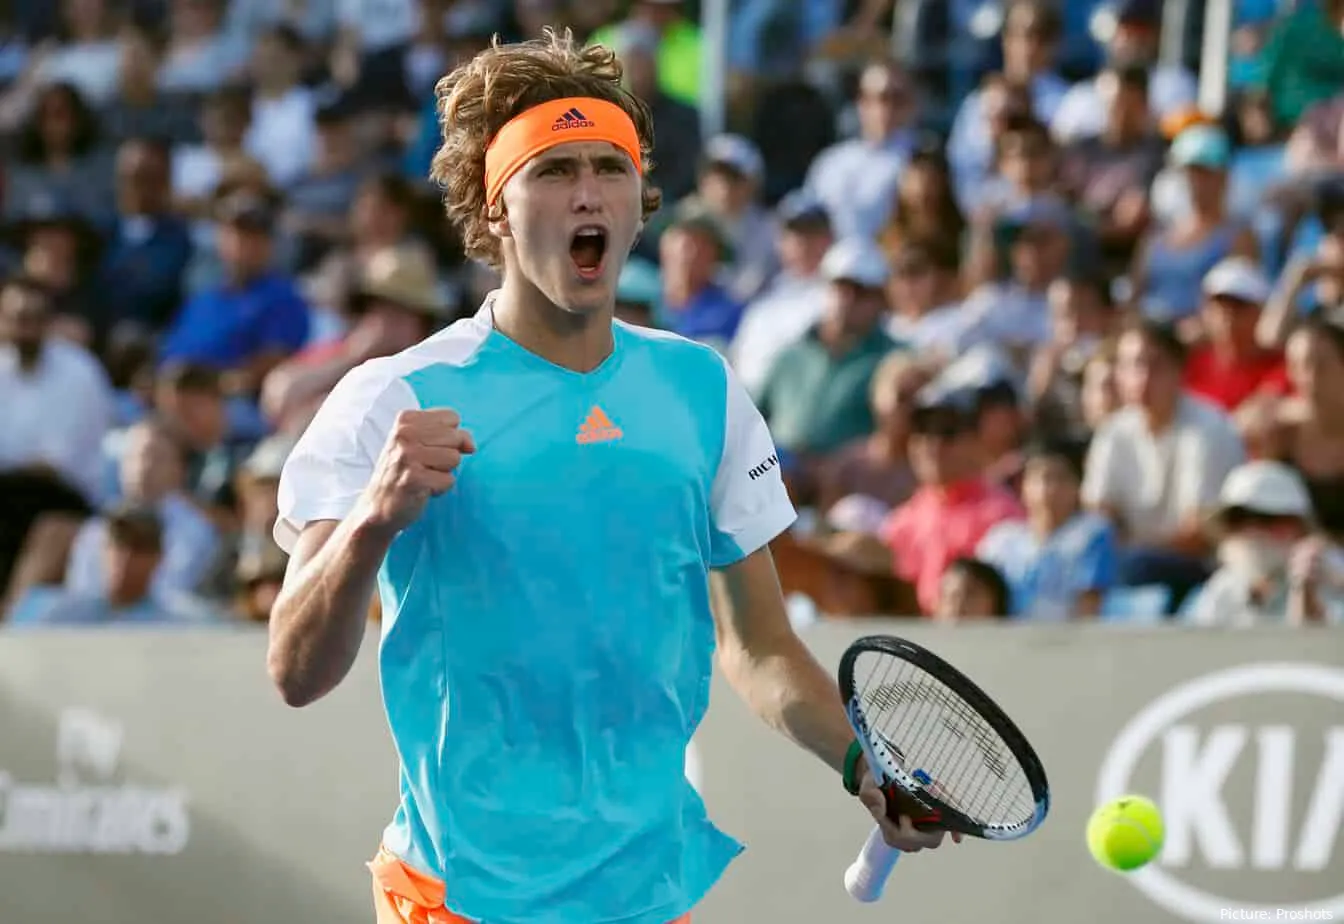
(331, 463)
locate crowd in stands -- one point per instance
(1051, 344)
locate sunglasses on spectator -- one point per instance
(1243, 518)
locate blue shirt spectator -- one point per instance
(228, 326)
(1049, 575)
(1060, 561)
(694, 248)
(258, 314)
(710, 316)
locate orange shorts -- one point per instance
(402, 895)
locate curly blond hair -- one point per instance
(479, 97)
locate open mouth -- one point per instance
(588, 248)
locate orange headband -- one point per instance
(559, 121)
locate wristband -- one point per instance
(850, 777)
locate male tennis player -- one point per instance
(539, 494)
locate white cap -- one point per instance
(1266, 487)
(857, 260)
(737, 153)
(1239, 278)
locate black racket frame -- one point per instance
(939, 814)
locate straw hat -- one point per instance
(404, 275)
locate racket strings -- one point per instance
(941, 740)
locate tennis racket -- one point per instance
(940, 749)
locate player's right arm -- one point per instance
(363, 472)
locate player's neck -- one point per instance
(580, 342)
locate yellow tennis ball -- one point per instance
(1126, 833)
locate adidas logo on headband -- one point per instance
(571, 119)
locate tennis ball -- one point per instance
(1126, 833)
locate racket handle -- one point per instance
(868, 873)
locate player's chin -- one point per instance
(587, 294)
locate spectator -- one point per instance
(679, 46)
(1134, 46)
(381, 216)
(59, 249)
(1109, 173)
(260, 575)
(199, 168)
(1316, 278)
(140, 109)
(1155, 467)
(1309, 423)
(1315, 145)
(694, 304)
(188, 398)
(89, 53)
(1025, 169)
(318, 204)
(972, 591)
(1031, 33)
(676, 124)
(1231, 366)
(857, 179)
(1264, 514)
(59, 159)
(1060, 561)
(1099, 396)
(395, 305)
(1259, 165)
(1082, 317)
(57, 406)
(816, 395)
(923, 291)
(257, 485)
(1303, 60)
(729, 189)
(1171, 263)
(153, 476)
(256, 318)
(1001, 423)
(794, 299)
(282, 134)
(201, 56)
(638, 292)
(142, 273)
(1004, 103)
(1029, 247)
(877, 466)
(132, 553)
(954, 506)
(369, 57)
(925, 210)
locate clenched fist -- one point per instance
(417, 463)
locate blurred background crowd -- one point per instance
(1044, 303)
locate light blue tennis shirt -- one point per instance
(547, 637)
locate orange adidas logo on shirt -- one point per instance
(598, 428)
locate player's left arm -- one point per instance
(759, 652)
(761, 656)
(769, 666)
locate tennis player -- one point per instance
(542, 496)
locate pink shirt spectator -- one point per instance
(938, 525)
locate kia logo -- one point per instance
(1253, 790)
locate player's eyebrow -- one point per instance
(574, 161)
(605, 161)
